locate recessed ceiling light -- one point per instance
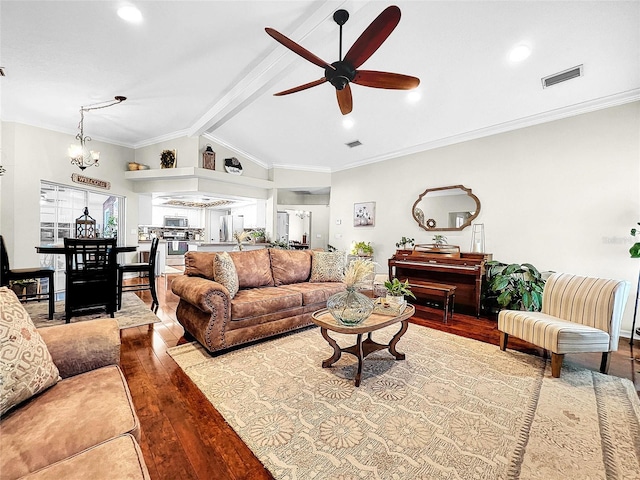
(413, 96)
(130, 13)
(347, 122)
(519, 53)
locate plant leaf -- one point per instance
(504, 299)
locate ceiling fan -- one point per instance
(345, 71)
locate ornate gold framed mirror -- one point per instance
(450, 208)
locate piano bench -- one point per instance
(442, 290)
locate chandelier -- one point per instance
(78, 153)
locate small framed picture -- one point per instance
(209, 158)
(364, 214)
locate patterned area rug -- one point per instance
(454, 409)
(133, 313)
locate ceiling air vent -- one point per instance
(563, 76)
(355, 143)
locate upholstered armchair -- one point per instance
(579, 314)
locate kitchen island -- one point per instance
(224, 246)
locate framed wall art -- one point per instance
(364, 214)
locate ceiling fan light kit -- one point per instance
(345, 71)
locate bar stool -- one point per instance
(149, 268)
(7, 274)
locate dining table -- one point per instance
(60, 249)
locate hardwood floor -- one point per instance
(184, 437)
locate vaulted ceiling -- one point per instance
(208, 67)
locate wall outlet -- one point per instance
(318, 235)
(338, 222)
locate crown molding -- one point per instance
(524, 122)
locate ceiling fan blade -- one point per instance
(345, 101)
(374, 35)
(394, 81)
(294, 47)
(301, 87)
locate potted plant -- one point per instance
(404, 241)
(439, 240)
(28, 287)
(513, 287)
(635, 248)
(258, 235)
(396, 291)
(362, 249)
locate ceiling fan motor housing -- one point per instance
(341, 76)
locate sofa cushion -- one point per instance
(316, 293)
(290, 266)
(261, 301)
(199, 264)
(253, 267)
(118, 458)
(327, 267)
(25, 361)
(224, 272)
(77, 413)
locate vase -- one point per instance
(350, 307)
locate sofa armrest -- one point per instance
(196, 291)
(79, 347)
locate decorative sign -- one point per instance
(90, 181)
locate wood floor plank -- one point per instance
(185, 437)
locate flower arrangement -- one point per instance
(359, 272)
(240, 237)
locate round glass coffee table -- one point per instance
(361, 349)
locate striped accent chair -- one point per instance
(579, 314)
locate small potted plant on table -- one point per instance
(396, 292)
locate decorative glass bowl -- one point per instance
(350, 307)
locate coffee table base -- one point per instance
(363, 348)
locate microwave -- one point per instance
(176, 222)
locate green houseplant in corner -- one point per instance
(513, 287)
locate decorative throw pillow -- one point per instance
(290, 266)
(327, 267)
(224, 272)
(26, 366)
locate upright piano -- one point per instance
(442, 264)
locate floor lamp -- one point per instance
(635, 312)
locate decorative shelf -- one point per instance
(182, 173)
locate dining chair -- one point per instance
(7, 274)
(148, 268)
(91, 275)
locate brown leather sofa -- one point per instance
(85, 425)
(275, 296)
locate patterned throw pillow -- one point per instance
(327, 267)
(26, 366)
(224, 272)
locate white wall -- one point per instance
(561, 195)
(35, 154)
